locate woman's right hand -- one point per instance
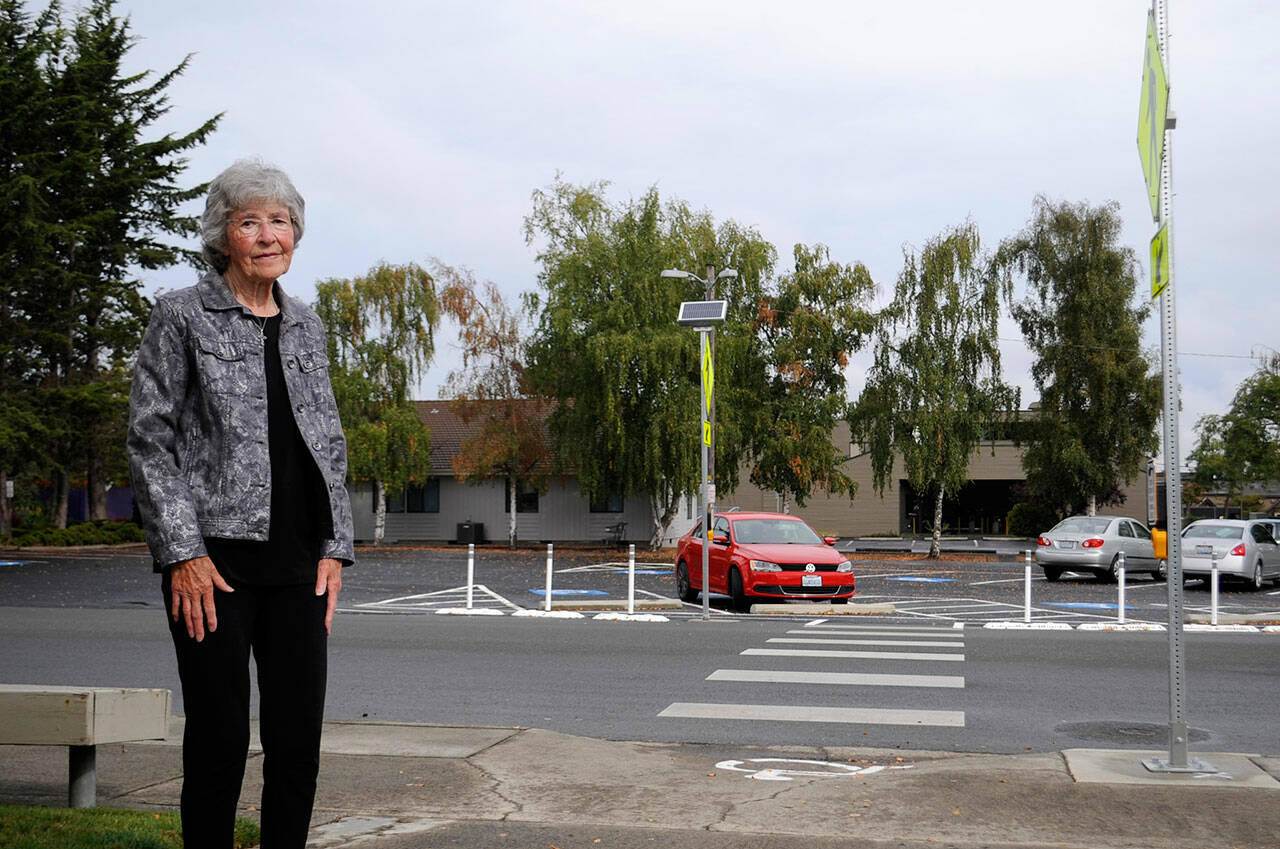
(193, 582)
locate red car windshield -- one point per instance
(774, 531)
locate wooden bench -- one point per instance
(80, 718)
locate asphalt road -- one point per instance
(96, 618)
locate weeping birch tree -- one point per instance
(381, 337)
(935, 389)
(491, 392)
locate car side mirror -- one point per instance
(830, 540)
(721, 539)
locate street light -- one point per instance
(703, 316)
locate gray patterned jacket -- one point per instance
(198, 421)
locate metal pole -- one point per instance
(631, 580)
(82, 763)
(471, 571)
(1178, 727)
(704, 451)
(1026, 588)
(547, 601)
(1120, 590)
(1214, 577)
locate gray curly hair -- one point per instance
(245, 182)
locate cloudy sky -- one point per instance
(419, 129)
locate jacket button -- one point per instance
(290, 363)
(316, 445)
(301, 407)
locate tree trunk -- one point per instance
(661, 512)
(95, 483)
(935, 549)
(379, 511)
(1091, 506)
(6, 506)
(61, 496)
(512, 498)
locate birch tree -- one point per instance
(491, 392)
(934, 389)
(381, 337)
(1082, 318)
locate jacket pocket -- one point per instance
(223, 367)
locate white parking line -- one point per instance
(802, 713)
(858, 679)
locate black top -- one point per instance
(300, 518)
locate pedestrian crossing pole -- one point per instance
(1155, 122)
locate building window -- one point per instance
(526, 498)
(415, 498)
(424, 497)
(611, 503)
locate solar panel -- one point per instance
(702, 313)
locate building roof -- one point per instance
(449, 429)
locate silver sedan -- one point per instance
(1243, 548)
(1094, 544)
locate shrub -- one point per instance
(98, 532)
(1028, 520)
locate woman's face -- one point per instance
(259, 243)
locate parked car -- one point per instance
(763, 555)
(1244, 548)
(1094, 544)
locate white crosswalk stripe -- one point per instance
(897, 644)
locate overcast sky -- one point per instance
(420, 129)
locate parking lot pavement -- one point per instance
(969, 587)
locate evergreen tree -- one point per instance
(92, 201)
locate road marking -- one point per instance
(933, 644)
(802, 713)
(453, 597)
(866, 655)
(822, 626)
(829, 769)
(853, 679)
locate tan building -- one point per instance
(997, 482)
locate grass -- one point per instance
(23, 827)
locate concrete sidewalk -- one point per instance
(400, 786)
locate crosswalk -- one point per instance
(860, 667)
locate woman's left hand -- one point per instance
(329, 580)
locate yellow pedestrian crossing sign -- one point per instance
(1153, 112)
(1160, 264)
(708, 383)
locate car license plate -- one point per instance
(810, 580)
(1204, 550)
(1066, 543)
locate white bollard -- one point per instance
(1213, 591)
(1120, 589)
(546, 604)
(631, 581)
(1026, 590)
(471, 571)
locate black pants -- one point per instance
(284, 629)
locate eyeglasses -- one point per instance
(251, 228)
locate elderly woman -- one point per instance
(238, 464)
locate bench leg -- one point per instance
(83, 778)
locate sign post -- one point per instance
(1154, 148)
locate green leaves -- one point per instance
(935, 388)
(381, 337)
(1099, 396)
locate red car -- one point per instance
(763, 555)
